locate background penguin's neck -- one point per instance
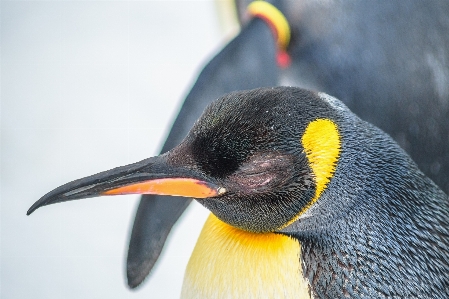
(230, 263)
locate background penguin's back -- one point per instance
(388, 61)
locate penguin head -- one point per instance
(256, 159)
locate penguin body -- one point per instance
(380, 228)
(308, 201)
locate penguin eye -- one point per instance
(262, 172)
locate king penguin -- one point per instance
(388, 61)
(306, 200)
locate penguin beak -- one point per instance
(150, 176)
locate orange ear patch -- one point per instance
(322, 144)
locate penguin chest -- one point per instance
(231, 263)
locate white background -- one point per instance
(87, 86)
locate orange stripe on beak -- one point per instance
(170, 186)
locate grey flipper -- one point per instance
(246, 62)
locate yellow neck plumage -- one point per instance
(230, 263)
